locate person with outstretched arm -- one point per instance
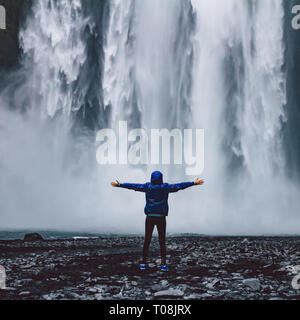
(157, 209)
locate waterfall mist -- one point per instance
(86, 65)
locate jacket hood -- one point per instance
(157, 178)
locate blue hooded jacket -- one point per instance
(157, 192)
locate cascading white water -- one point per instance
(250, 35)
(139, 61)
(118, 88)
(149, 62)
(264, 90)
(52, 40)
(167, 64)
(255, 31)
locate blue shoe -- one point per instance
(164, 268)
(142, 267)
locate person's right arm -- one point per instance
(130, 186)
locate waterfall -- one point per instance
(52, 42)
(171, 67)
(264, 93)
(118, 78)
(148, 63)
(156, 64)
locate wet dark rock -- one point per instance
(33, 237)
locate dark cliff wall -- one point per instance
(9, 46)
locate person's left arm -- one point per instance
(181, 186)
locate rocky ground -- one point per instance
(107, 268)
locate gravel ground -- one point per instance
(210, 268)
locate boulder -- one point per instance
(33, 237)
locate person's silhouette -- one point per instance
(157, 209)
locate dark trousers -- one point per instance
(160, 223)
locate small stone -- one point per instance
(254, 284)
(92, 290)
(192, 296)
(72, 295)
(155, 287)
(164, 283)
(27, 281)
(204, 295)
(225, 291)
(237, 276)
(169, 293)
(212, 284)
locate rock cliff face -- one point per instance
(9, 45)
